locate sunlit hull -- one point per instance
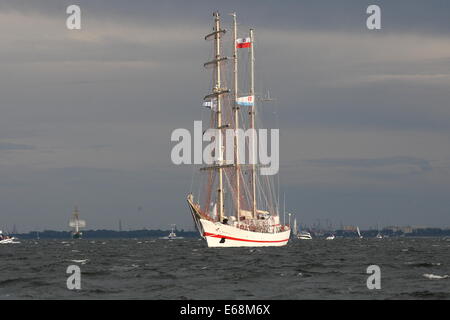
(219, 235)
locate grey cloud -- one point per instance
(15, 146)
(349, 15)
(104, 101)
(423, 164)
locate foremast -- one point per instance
(217, 93)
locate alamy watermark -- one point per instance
(73, 21)
(74, 280)
(373, 22)
(215, 153)
(374, 280)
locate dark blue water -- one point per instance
(186, 269)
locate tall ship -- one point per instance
(76, 223)
(235, 206)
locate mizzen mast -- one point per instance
(252, 122)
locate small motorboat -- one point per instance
(4, 239)
(330, 237)
(304, 235)
(172, 235)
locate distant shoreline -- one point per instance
(105, 234)
(114, 234)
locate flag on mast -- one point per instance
(245, 101)
(243, 43)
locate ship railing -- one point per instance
(259, 227)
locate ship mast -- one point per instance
(252, 121)
(236, 119)
(76, 214)
(217, 89)
(217, 92)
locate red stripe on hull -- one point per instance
(243, 45)
(207, 234)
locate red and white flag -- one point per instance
(243, 43)
(245, 101)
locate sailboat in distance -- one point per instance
(76, 223)
(359, 233)
(236, 206)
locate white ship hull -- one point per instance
(220, 235)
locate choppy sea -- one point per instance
(411, 268)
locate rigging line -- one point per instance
(194, 169)
(272, 193)
(263, 194)
(231, 189)
(246, 188)
(262, 80)
(277, 124)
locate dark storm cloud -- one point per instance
(406, 15)
(101, 103)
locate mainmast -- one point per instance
(236, 119)
(252, 121)
(76, 215)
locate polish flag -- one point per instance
(243, 43)
(245, 101)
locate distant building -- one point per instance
(392, 228)
(407, 229)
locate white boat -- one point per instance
(379, 236)
(295, 229)
(359, 233)
(4, 239)
(172, 235)
(304, 235)
(330, 237)
(76, 223)
(9, 241)
(237, 208)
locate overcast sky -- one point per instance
(86, 115)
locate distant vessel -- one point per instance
(172, 235)
(304, 235)
(5, 239)
(330, 237)
(237, 208)
(76, 223)
(295, 230)
(359, 233)
(379, 236)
